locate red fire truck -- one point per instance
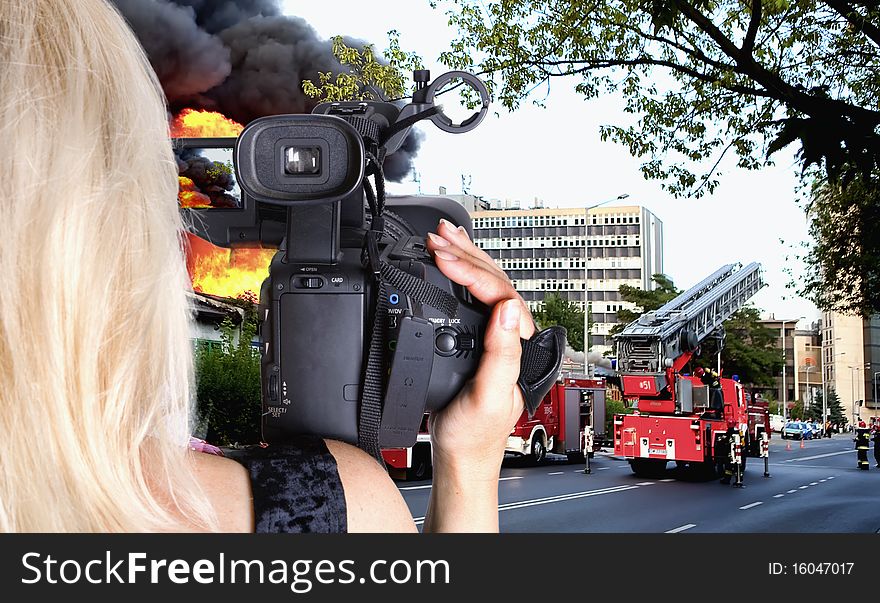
(677, 417)
(570, 419)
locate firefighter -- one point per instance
(710, 377)
(862, 440)
(723, 456)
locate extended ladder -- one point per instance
(653, 341)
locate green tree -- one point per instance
(845, 246)
(558, 311)
(705, 79)
(835, 408)
(645, 300)
(228, 385)
(749, 349)
(367, 77)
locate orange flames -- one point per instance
(226, 272)
(191, 123)
(216, 270)
(189, 196)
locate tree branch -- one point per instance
(797, 99)
(749, 42)
(849, 13)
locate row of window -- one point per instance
(541, 263)
(530, 284)
(538, 242)
(561, 220)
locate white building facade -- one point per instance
(582, 255)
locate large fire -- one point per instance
(189, 196)
(216, 270)
(226, 272)
(192, 123)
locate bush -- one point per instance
(228, 386)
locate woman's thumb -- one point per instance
(499, 365)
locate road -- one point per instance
(817, 488)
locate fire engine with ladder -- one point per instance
(674, 417)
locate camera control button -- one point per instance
(445, 342)
(311, 282)
(466, 342)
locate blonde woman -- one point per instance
(95, 363)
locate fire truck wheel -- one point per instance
(539, 450)
(648, 467)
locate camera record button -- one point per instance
(445, 342)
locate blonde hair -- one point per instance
(95, 358)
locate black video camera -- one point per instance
(361, 333)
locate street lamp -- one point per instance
(784, 386)
(852, 370)
(586, 272)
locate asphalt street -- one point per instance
(817, 488)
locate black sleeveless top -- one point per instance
(296, 487)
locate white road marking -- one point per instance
(830, 477)
(552, 499)
(555, 473)
(814, 483)
(802, 487)
(667, 480)
(754, 504)
(500, 479)
(603, 468)
(822, 481)
(645, 484)
(791, 491)
(817, 456)
(778, 495)
(686, 526)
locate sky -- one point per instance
(555, 154)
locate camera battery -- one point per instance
(407, 391)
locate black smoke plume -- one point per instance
(241, 58)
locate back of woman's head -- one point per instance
(95, 363)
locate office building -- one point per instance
(584, 255)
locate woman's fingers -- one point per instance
(458, 236)
(484, 280)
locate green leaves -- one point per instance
(558, 311)
(843, 258)
(228, 382)
(699, 89)
(365, 77)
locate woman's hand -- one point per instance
(468, 437)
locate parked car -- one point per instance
(797, 430)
